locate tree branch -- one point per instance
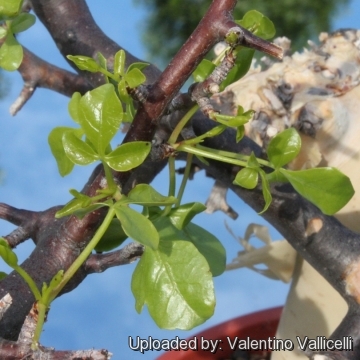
(39, 73)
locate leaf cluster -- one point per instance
(12, 22)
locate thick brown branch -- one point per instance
(75, 32)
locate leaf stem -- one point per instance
(175, 134)
(209, 153)
(28, 279)
(184, 179)
(41, 308)
(84, 254)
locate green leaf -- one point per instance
(100, 115)
(11, 53)
(10, 8)
(284, 147)
(65, 165)
(203, 70)
(78, 151)
(252, 161)
(137, 65)
(258, 24)
(128, 156)
(327, 188)
(3, 32)
(174, 281)
(123, 94)
(73, 107)
(137, 226)
(182, 215)
(247, 178)
(240, 132)
(134, 78)
(7, 253)
(22, 22)
(85, 63)
(113, 237)
(69, 208)
(102, 60)
(217, 130)
(234, 121)
(242, 65)
(3, 275)
(119, 62)
(130, 111)
(265, 190)
(209, 246)
(85, 209)
(145, 194)
(276, 176)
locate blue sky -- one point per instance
(101, 313)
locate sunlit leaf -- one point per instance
(73, 107)
(102, 60)
(3, 32)
(100, 115)
(134, 78)
(265, 190)
(284, 147)
(10, 8)
(123, 94)
(242, 65)
(69, 208)
(209, 246)
(174, 282)
(7, 253)
(327, 188)
(258, 24)
(22, 22)
(128, 156)
(145, 194)
(85, 63)
(65, 165)
(119, 62)
(182, 215)
(203, 70)
(137, 226)
(11, 53)
(137, 65)
(247, 178)
(78, 151)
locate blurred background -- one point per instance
(100, 313)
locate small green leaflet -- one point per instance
(22, 22)
(247, 178)
(137, 226)
(65, 165)
(145, 194)
(128, 156)
(11, 53)
(7, 253)
(284, 147)
(78, 151)
(182, 215)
